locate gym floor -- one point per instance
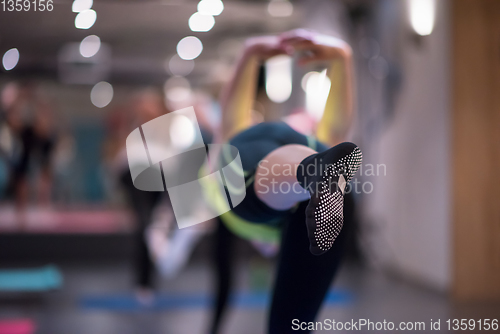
(98, 299)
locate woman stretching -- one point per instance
(295, 185)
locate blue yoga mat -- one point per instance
(30, 280)
(249, 300)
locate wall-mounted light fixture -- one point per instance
(422, 16)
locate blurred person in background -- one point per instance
(145, 106)
(303, 278)
(171, 247)
(158, 243)
(30, 118)
(9, 145)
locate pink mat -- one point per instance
(76, 220)
(17, 326)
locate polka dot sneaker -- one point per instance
(325, 175)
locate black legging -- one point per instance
(143, 204)
(35, 146)
(302, 279)
(223, 264)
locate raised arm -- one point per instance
(238, 95)
(338, 114)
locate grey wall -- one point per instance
(407, 217)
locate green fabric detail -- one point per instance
(228, 158)
(241, 227)
(250, 180)
(234, 190)
(311, 142)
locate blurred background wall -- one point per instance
(408, 215)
